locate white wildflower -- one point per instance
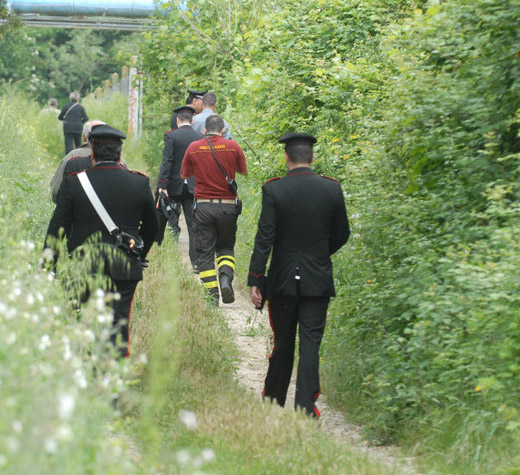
(183, 456)
(11, 338)
(143, 359)
(48, 255)
(89, 335)
(56, 310)
(12, 444)
(64, 433)
(67, 353)
(100, 293)
(189, 419)
(79, 378)
(45, 342)
(50, 445)
(16, 292)
(35, 317)
(208, 455)
(66, 404)
(356, 236)
(39, 296)
(17, 426)
(30, 299)
(3, 458)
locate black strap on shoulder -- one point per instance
(216, 159)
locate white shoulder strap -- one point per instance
(98, 206)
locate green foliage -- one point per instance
(57, 376)
(416, 110)
(53, 62)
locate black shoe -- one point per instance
(226, 289)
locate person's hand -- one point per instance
(163, 190)
(256, 296)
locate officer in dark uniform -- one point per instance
(303, 221)
(194, 100)
(215, 213)
(170, 182)
(128, 200)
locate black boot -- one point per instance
(226, 289)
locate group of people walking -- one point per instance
(303, 221)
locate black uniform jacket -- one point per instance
(75, 119)
(126, 196)
(175, 144)
(304, 221)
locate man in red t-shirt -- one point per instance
(210, 160)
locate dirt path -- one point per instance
(253, 337)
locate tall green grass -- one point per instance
(188, 413)
(57, 376)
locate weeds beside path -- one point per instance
(252, 336)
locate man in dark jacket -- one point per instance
(128, 200)
(304, 221)
(73, 116)
(170, 182)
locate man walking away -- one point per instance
(303, 221)
(209, 103)
(73, 116)
(128, 201)
(170, 182)
(215, 212)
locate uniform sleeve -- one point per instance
(340, 229)
(264, 240)
(149, 222)
(57, 179)
(61, 218)
(187, 167)
(167, 160)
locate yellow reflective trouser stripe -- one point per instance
(208, 273)
(211, 285)
(228, 258)
(226, 263)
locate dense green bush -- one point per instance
(416, 108)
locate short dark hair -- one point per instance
(209, 99)
(185, 116)
(214, 124)
(299, 152)
(189, 99)
(110, 152)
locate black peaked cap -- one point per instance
(198, 94)
(298, 138)
(184, 108)
(105, 132)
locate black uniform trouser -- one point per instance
(72, 141)
(215, 228)
(122, 309)
(309, 314)
(186, 201)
